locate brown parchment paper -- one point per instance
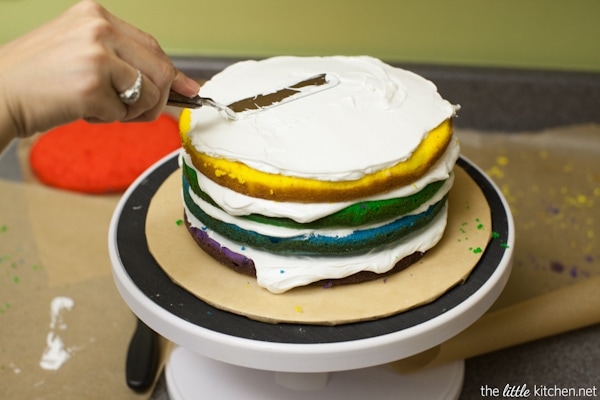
(54, 243)
(448, 264)
(551, 180)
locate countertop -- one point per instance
(494, 102)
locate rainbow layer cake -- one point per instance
(340, 186)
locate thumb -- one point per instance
(184, 85)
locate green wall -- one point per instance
(546, 34)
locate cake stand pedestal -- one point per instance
(188, 374)
(224, 355)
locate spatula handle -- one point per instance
(178, 100)
(142, 358)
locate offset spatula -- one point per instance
(261, 101)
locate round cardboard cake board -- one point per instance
(449, 263)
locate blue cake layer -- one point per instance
(317, 243)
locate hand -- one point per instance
(74, 67)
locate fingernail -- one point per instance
(192, 85)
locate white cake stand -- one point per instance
(225, 356)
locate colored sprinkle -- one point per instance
(328, 285)
(495, 172)
(3, 228)
(496, 235)
(479, 224)
(475, 250)
(15, 279)
(179, 222)
(573, 272)
(557, 266)
(501, 160)
(553, 210)
(282, 271)
(299, 309)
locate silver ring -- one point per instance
(131, 95)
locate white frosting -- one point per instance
(374, 118)
(239, 204)
(55, 354)
(279, 273)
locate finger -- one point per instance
(149, 102)
(105, 105)
(184, 85)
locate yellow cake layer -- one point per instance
(251, 182)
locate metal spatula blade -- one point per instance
(259, 102)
